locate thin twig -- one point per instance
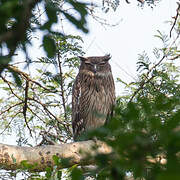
(51, 114)
(141, 87)
(175, 19)
(46, 138)
(62, 92)
(62, 86)
(175, 57)
(26, 106)
(44, 106)
(10, 122)
(8, 83)
(148, 80)
(26, 76)
(35, 114)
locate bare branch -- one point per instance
(25, 107)
(10, 107)
(175, 19)
(12, 156)
(81, 153)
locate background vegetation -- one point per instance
(36, 106)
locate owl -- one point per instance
(93, 95)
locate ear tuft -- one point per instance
(82, 58)
(107, 57)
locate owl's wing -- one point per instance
(112, 100)
(77, 120)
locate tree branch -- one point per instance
(11, 157)
(175, 19)
(40, 157)
(27, 77)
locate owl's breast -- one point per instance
(99, 102)
(97, 89)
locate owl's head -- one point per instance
(96, 64)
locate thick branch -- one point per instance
(12, 156)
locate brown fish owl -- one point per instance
(93, 94)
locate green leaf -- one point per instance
(26, 165)
(76, 174)
(59, 174)
(51, 12)
(48, 172)
(14, 160)
(56, 160)
(49, 46)
(76, 22)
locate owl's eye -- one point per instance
(89, 63)
(102, 63)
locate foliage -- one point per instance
(19, 19)
(114, 4)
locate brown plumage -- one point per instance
(93, 94)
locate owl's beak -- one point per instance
(95, 69)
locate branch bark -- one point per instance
(11, 157)
(41, 157)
